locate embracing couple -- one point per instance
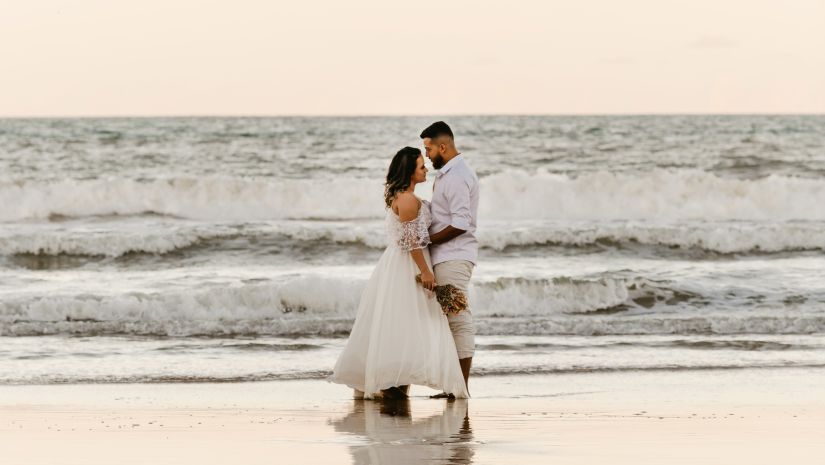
(401, 335)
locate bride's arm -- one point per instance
(408, 207)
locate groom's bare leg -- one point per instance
(466, 364)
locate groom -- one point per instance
(454, 249)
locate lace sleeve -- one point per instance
(413, 235)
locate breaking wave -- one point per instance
(508, 306)
(660, 194)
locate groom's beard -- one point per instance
(438, 162)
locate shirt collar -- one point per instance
(454, 161)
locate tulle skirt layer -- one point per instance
(400, 335)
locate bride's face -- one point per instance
(420, 174)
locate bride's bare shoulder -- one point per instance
(406, 205)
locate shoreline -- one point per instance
(741, 416)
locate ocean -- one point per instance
(235, 249)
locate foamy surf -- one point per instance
(165, 237)
(659, 194)
(510, 306)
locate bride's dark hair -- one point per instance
(402, 168)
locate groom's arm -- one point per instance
(457, 194)
(445, 235)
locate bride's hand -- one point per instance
(428, 280)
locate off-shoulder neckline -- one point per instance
(421, 203)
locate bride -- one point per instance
(400, 336)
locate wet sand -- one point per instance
(723, 416)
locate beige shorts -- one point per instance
(458, 273)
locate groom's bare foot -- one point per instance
(442, 395)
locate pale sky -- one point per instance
(365, 57)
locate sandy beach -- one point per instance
(713, 416)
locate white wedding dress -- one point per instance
(400, 335)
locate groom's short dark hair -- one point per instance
(437, 129)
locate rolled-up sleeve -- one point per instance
(457, 193)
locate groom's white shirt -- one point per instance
(455, 203)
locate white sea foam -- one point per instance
(659, 194)
(729, 237)
(327, 305)
(105, 243)
(245, 302)
(195, 198)
(718, 237)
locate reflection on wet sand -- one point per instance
(392, 436)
